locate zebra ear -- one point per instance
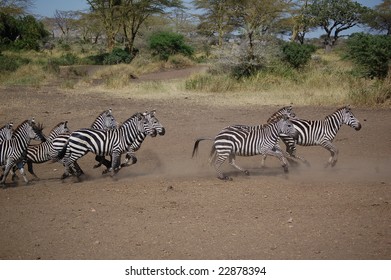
(153, 112)
(347, 107)
(66, 124)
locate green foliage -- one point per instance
(370, 53)
(117, 56)
(297, 55)
(164, 44)
(21, 33)
(11, 64)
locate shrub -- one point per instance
(117, 56)
(370, 53)
(11, 64)
(297, 55)
(164, 44)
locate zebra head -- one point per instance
(286, 127)
(287, 111)
(155, 122)
(348, 118)
(35, 131)
(60, 128)
(145, 126)
(6, 131)
(105, 121)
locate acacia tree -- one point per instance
(66, 21)
(258, 17)
(15, 7)
(135, 13)
(335, 16)
(380, 17)
(216, 17)
(109, 13)
(301, 24)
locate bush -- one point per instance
(164, 44)
(370, 53)
(117, 56)
(297, 55)
(11, 64)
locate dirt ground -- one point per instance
(170, 206)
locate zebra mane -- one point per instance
(7, 126)
(132, 118)
(59, 124)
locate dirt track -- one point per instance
(169, 206)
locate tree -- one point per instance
(215, 18)
(15, 7)
(109, 13)
(380, 17)
(256, 18)
(66, 21)
(335, 16)
(300, 22)
(135, 13)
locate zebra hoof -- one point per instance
(225, 178)
(286, 170)
(246, 172)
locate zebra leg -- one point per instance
(278, 154)
(333, 151)
(30, 169)
(218, 162)
(115, 163)
(6, 170)
(231, 160)
(130, 159)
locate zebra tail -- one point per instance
(197, 142)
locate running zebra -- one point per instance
(321, 132)
(112, 142)
(43, 152)
(154, 122)
(13, 150)
(255, 140)
(6, 132)
(284, 111)
(103, 121)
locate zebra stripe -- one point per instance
(43, 152)
(12, 150)
(6, 132)
(111, 142)
(254, 140)
(321, 132)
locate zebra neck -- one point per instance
(22, 138)
(333, 123)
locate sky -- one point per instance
(47, 8)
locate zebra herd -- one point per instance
(243, 140)
(105, 137)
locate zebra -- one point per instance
(43, 152)
(160, 130)
(103, 121)
(6, 132)
(13, 150)
(321, 132)
(261, 139)
(287, 111)
(112, 142)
